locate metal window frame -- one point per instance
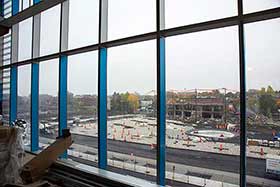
(37, 7)
(14, 69)
(161, 93)
(3, 42)
(242, 101)
(192, 28)
(1, 59)
(2, 8)
(160, 34)
(102, 84)
(102, 108)
(36, 32)
(63, 63)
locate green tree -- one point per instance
(267, 104)
(270, 90)
(267, 101)
(252, 103)
(262, 91)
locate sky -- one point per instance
(207, 59)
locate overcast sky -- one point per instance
(206, 59)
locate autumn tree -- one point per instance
(124, 103)
(133, 101)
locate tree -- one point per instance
(216, 93)
(133, 101)
(267, 102)
(252, 103)
(124, 104)
(262, 91)
(115, 103)
(278, 103)
(270, 90)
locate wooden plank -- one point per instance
(37, 167)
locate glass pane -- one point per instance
(23, 102)
(50, 31)
(202, 128)
(182, 12)
(83, 25)
(131, 109)
(25, 39)
(128, 18)
(7, 9)
(7, 48)
(48, 102)
(263, 104)
(258, 5)
(82, 106)
(24, 4)
(6, 96)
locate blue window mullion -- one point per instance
(62, 93)
(102, 109)
(15, 7)
(13, 93)
(63, 60)
(13, 72)
(36, 1)
(34, 98)
(34, 107)
(161, 107)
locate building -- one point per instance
(192, 108)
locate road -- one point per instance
(229, 163)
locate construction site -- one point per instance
(121, 93)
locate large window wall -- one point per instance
(140, 20)
(50, 31)
(82, 105)
(6, 95)
(131, 108)
(202, 127)
(258, 5)
(23, 100)
(24, 76)
(23, 4)
(6, 55)
(262, 94)
(81, 34)
(25, 39)
(155, 89)
(181, 12)
(48, 102)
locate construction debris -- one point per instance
(11, 154)
(36, 168)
